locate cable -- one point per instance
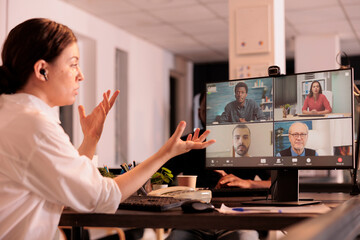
(271, 186)
(338, 60)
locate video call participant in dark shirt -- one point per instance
(242, 109)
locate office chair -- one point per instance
(110, 230)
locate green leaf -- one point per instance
(156, 175)
(170, 175)
(164, 175)
(166, 169)
(105, 173)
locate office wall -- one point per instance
(3, 21)
(148, 73)
(256, 37)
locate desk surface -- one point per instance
(215, 220)
(328, 115)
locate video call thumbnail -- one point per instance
(222, 99)
(239, 140)
(318, 137)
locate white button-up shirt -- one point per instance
(41, 171)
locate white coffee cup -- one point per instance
(187, 180)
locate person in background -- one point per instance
(242, 109)
(41, 171)
(316, 102)
(298, 136)
(241, 136)
(193, 163)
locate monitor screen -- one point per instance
(301, 121)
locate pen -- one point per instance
(143, 191)
(123, 167)
(240, 209)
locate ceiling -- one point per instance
(198, 29)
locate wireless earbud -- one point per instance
(42, 72)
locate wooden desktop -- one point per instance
(177, 219)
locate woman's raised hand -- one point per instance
(92, 125)
(175, 146)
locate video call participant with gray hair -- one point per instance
(298, 136)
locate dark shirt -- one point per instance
(193, 163)
(290, 152)
(233, 111)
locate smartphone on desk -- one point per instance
(183, 192)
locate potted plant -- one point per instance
(286, 110)
(162, 178)
(106, 173)
(287, 107)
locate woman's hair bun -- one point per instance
(6, 78)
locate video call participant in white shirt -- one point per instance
(41, 171)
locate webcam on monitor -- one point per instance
(274, 70)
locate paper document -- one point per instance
(317, 208)
(335, 116)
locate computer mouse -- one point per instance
(193, 206)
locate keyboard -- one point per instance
(151, 203)
(239, 192)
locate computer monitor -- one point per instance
(257, 124)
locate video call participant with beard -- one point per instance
(241, 140)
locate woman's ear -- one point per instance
(40, 70)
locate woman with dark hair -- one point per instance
(41, 171)
(316, 102)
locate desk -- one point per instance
(177, 219)
(327, 116)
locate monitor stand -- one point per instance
(285, 191)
